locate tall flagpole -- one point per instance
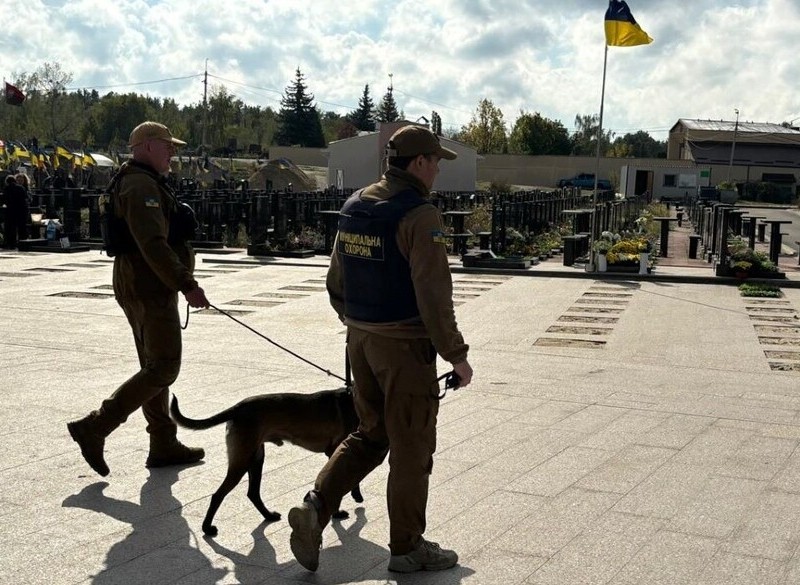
(597, 161)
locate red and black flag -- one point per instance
(14, 96)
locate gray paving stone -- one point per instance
(665, 492)
(669, 558)
(561, 471)
(742, 570)
(599, 553)
(720, 506)
(625, 430)
(676, 431)
(626, 469)
(759, 458)
(557, 522)
(659, 459)
(770, 530)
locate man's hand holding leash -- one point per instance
(464, 373)
(197, 298)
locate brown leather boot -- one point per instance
(173, 453)
(90, 434)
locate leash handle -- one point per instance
(451, 381)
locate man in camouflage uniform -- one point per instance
(153, 263)
(389, 280)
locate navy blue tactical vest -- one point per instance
(377, 278)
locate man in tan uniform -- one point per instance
(153, 262)
(389, 280)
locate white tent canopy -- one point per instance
(101, 160)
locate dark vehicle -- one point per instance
(586, 181)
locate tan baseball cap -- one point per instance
(152, 131)
(416, 140)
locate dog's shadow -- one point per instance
(350, 549)
(351, 560)
(158, 548)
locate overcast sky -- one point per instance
(708, 57)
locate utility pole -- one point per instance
(205, 107)
(733, 143)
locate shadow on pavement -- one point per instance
(159, 548)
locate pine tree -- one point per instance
(364, 117)
(387, 109)
(298, 119)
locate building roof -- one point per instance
(761, 155)
(743, 127)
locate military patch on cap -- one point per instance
(152, 202)
(438, 237)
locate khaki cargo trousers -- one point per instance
(394, 395)
(157, 332)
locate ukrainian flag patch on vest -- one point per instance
(152, 202)
(438, 237)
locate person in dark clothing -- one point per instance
(15, 198)
(389, 281)
(153, 262)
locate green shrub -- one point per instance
(759, 290)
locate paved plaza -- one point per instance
(634, 431)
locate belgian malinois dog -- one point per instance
(317, 422)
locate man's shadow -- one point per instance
(159, 548)
(362, 559)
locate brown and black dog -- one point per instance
(317, 422)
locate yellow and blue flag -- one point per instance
(621, 28)
(61, 151)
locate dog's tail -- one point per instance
(200, 423)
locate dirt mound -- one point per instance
(279, 174)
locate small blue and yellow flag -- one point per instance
(63, 152)
(621, 28)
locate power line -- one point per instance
(453, 125)
(135, 83)
(276, 91)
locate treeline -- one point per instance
(226, 125)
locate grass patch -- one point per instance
(759, 290)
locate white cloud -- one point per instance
(707, 59)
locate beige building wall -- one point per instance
(543, 171)
(535, 171)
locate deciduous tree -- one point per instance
(584, 141)
(536, 135)
(486, 132)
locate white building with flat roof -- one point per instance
(360, 161)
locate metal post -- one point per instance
(733, 143)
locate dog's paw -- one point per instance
(272, 516)
(356, 494)
(340, 515)
(210, 530)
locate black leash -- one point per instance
(451, 379)
(278, 345)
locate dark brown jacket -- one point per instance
(158, 269)
(419, 241)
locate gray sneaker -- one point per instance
(426, 556)
(306, 538)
